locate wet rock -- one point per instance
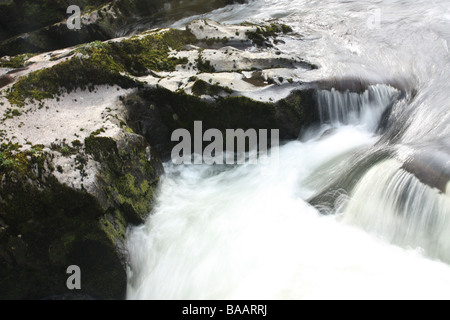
(431, 166)
(39, 26)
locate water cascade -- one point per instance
(249, 232)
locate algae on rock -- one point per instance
(46, 226)
(152, 113)
(100, 63)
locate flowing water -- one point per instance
(251, 231)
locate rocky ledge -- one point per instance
(84, 130)
(40, 25)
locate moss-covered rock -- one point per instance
(55, 227)
(201, 87)
(156, 113)
(15, 62)
(129, 175)
(261, 35)
(27, 15)
(46, 226)
(39, 26)
(101, 63)
(204, 65)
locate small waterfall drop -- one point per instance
(248, 232)
(352, 108)
(394, 205)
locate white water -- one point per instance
(247, 232)
(351, 108)
(413, 214)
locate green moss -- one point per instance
(10, 113)
(65, 151)
(59, 227)
(5, 163)
(201, 87)
(114, 226)
(228, 112)
(256, 37)
(13, 159)
(212, 41)
(103, 64)
(138, 56)
(131, 192)
(63, 148)
(286, 29)
(101, 147)
(36, 148)
(80, 163)
(67, 76)
(134, 195)
(97, 132)
(261, 35)
(204, 66)
(228, 90)
(15, 62)
(247, 24)
(77, 144)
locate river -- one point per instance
(357, 208)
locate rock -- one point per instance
(354, 169)
(431, 166)
(27, 15)
(73, 216)
(62, 226)
(39, 26)
(5, 80)
(157, 124)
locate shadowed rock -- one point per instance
(431, 166)
(40, 26)
(5, 80)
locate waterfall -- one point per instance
(353, 108)
(396, 206)
(249, 232)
